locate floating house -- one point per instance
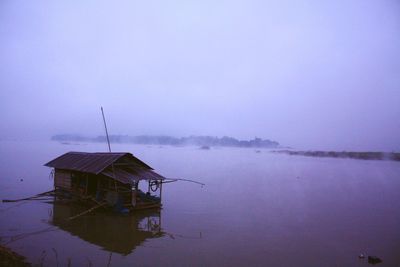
(111, 178)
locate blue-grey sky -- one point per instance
(309, 74)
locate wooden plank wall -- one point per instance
(62, 179)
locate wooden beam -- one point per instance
(87, 211)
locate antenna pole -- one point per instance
(105, 126)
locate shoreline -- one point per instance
(392, 156)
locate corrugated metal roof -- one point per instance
(94, 162)
(130, 176)
(121, 175)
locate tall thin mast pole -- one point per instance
(105, 126)
(109, 149)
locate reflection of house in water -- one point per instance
(114, 233)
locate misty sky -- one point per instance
(309, 74)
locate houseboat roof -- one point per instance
(120, 166)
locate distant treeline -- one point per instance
(345, 154)
(169, 140)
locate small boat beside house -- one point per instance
(118, 180)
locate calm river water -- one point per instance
(257, 209)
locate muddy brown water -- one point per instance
(257, 209)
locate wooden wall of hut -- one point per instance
(62, 179)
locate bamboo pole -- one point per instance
(87, 211)
(109, 149)
(105, 126)
(170, 180)
(35, 197)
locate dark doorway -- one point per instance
(92, 185)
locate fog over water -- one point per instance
(256, 209)
(309, 74)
